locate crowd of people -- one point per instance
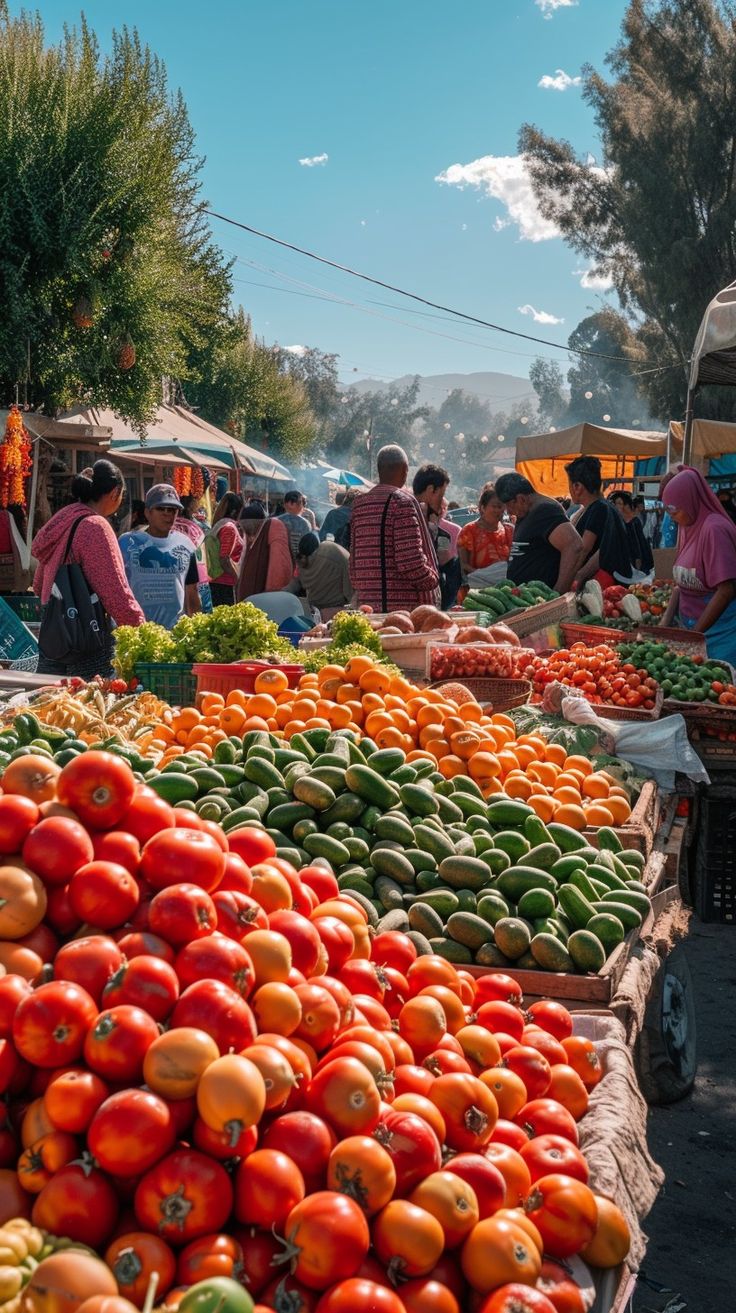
(390, 548)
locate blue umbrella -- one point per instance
(346, 478)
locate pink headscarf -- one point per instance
(688, 491)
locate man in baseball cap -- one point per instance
(160, 562)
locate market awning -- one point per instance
(542, 457)
(714, 353)
(710, 437)
(57, 431)
(181, 456)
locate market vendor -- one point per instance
(545, 547)
(607, 552)
(704, 598)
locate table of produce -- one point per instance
(242, 1057)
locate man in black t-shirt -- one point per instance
(545, 546)
(607, 554)
(641, 552)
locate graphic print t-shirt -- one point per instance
(532, 556)
(158, 570)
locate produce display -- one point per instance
(77, 715)
(227, 1081)
(227, 633)
(477, 660)
(617, 607)
(501, 599)
(682, 677)
(602, 674)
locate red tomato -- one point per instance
(12, 1068)
(88, 962)
(290, 1294)
(215, 957)
(391, 948)
(146, 815)
(514, 1171)
(409, 1079)
(320, 1016)
(172, 852)
(103, 894)
(237, 913)
(12, 990)
(117, 846)
(363, 977)
(497, 1016)
(218, 1010)
(541, 1040)
(321, 881)
(215, 832)
(79, 1202)
(181, 913)
(558, 1282)
(211, 1256)
(342, 997)
(547, 1117)
(118, 1042)
(268, 1185)
(331, 1234)
(531, 1066)
(252, 845)
(98, 786)
(564, 1212)
(140, 942)
(506, 1132)
(237, 875)
(336, 938)
(517, 1298)
(259, 1248)
(413, 1146)
(59, 911)
(220, 1143)
(146, 982)
(371, 1011)
(302, 935)
(130, 1132)
(307, 1140)
(56, 848)
(345, 1093)
(468, 1107)
(18, 815)
(427, 1295)
(407, 1239)
(186, 1195)
(397, 990)
(552, 1017)
(359, 1294)
(484, 1178)
(72, 1099)
(547, 1154)
(50, 1025)
(499, 986)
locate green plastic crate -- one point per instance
(27, 606)
(172, 681)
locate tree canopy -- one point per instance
(109, 276)
(658, 213)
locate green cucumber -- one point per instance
(490, 955)
(607, 838)
(286, 814)
(433, 841)
(263, 773)
(608, 929)
(519, 879)
(575, 905)
(508, 811)
(396, 827)
(371, 786)
(512, 843)
(536, 903)
(451, 951)
(421, 861)
(512, 936)
(629, 917)
(469, 929)
(543, 857)
(567, 839)
(321, 845)
(550, 953)
(387, 760)
(586, 951)
(424, 918)
(465, 872)
(393, 864)
(174, 787)
(313, 792)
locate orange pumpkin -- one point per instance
(23, 901)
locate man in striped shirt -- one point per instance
(393, 564)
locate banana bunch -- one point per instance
(22, 1247)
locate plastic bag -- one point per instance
(659, 749)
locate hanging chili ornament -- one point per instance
(197, 483)
(126, 352)
(83, 312)
(15, 461)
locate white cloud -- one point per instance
(593, 281)
(499, 224)
(549, 7)
(463, 227)
(506, 178)
(309, 161)
(296, 350)
(560, 82)
(539, 316)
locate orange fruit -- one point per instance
(270, 681)
(339, 716)
(619, 808)
(507, 761)
(524, 754)
(597, 814)
(555, 753)
(348, 693)
(544, 806)
(372, 702)
(484, 766)
(543, 771)
(569, 814)
(564, 795)
(594, 786)
(357, 666)
(471, 712)
(464, 744)
(450, 766)
(232, 719)
(377, 721)
(261, 704)
(568, 779)
(518, 786)
(376, 680)
(579, 763)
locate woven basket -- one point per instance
(611, 712)
(707, 718)
(593, 634)
(501, 694)
(677, 640)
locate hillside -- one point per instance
(500, 391)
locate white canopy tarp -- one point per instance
(714, 353)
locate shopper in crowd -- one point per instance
(266, 564)
(79, 534)
(641, 552)
(296, 525)
(393, 565)
(188, 523)
(224, 548)
(725, 497)
(308, 513)
(486, 541)
(545, 545)
(161, 562)
(606, 551)
(337, 521)
(323, 575)
(16, 564)
(449, 559)
(137, 514)
(704, 598)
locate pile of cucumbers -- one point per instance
(479, 882)
(501, 599)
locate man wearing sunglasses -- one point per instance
(160, 562)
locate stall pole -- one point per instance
(689, 416)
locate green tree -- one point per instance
(613, 385)
(548, 382)
(659, 214)
(366, 421)
(105, 253)
(316, 371)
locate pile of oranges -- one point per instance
(363, 696)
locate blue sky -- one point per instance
(394, 94)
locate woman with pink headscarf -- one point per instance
(705, 565)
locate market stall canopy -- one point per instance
(542, 457)
(710, 438)
(175, 429)
(57, 431)
(714, 353)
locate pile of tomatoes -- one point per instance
(210, 1066)
(596, 672)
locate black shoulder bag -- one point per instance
(74, 622)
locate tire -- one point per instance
(666, 1050)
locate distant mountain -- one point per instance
(500, 391)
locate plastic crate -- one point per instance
(212, 677)
(578, 632)
(26, 605)
(501, 694)
(714, 876)
(172, 681)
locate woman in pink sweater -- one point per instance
(80, 534)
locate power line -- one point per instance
(413, 296)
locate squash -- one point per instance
(22, 902)
(65, 1280)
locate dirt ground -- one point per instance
(691, 1256)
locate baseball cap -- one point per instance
(162, 494)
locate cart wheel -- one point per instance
(666, 1050)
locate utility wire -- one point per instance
(413, 296)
